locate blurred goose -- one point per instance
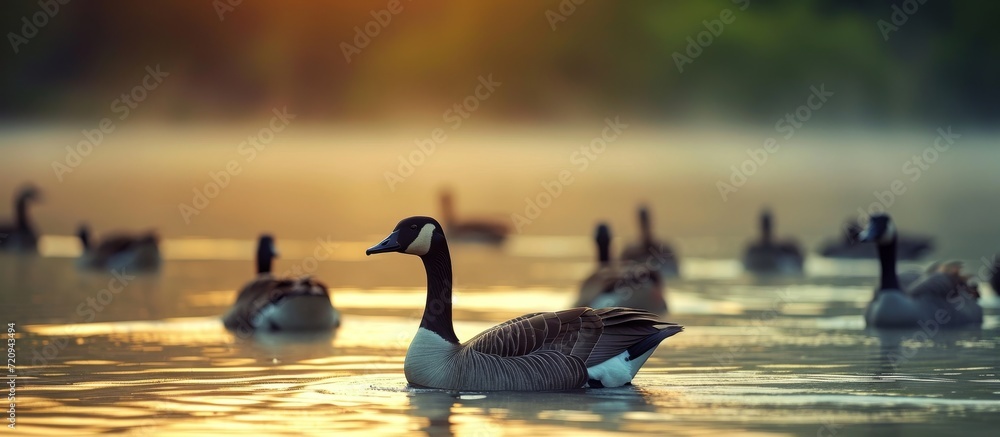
(120, 252)
(471, 230)
(908, 247)
(943, 288)
(277, 304)
(631, 285)
(569, 349)
(995, 278)
(772, 257)
(651, 252)
(20, 236)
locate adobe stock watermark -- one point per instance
(697, 44)
(223, 7)
(758, 157)
(454, 116)
(30, 27)
(930, 327)
(914, 168)
(899, 16)
(363, 35)
(581, 160)
(123, 105)
(248, 149)
(87, 310)
(757, 326)
(561, 12)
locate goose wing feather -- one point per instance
(592, 335)
(569, 332)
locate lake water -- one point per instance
(779, 357)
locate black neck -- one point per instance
(604, 252)
(263, 262)
(85, 240)
(647, 232)
(887, 258)
(437, 309)
(21, 210)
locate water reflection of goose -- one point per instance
(603, 409)
(905, 353)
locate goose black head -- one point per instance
(265, 246)
(880, 229)
(644, 216)
(414, 235)
(603, 238)
(29, 193)
(603, 234)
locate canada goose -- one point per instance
(20, 236)
(479, 230)
(651, 252)
(630, 285)
(908, 247)
(119, 252)
(772, 257)
(279, 304)
(943, 296)
(569, 349)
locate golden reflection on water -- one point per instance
(759, 357)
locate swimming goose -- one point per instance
(651, 252)
(279, 304)
(943, 296)
(120, 252)
(772, 257)
(478, 230)
(908, 247)
(630, 285)
(20, 236)
(569, 349)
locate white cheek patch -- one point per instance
(889, 234)
(422, 244)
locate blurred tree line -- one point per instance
(237, 60)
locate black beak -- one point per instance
(388, 245)
(868, 234)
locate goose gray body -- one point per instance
(908, 247)
(768, 256)
(475, 230)
(273, 304)
(120, 252)
(559, 350)
(650, 252)
(268, 303)
(629, 284)
(942, 294)
(20, 235)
